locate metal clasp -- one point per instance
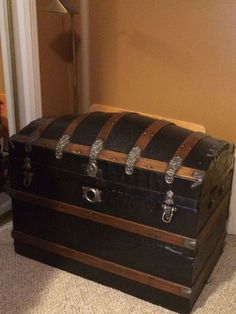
(168, 212)
(133, 156)
(174, 164)
(92, 195)
(198, 178)
(92, 167)
(63, 141)
(28, 174)
(168, 207)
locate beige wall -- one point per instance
(2, 87)
(175, 58)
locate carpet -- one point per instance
(30, 287)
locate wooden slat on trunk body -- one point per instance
(120, 270)
(124, 224)
(121, 223)
(111, 156)
(92, 215)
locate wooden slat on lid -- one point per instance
(142, 142)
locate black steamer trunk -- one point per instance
(132, 202)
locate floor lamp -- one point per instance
(64, 7)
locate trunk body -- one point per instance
(91, 213)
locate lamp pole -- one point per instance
(64, 7)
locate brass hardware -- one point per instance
(92, 195)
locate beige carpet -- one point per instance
(27, 286)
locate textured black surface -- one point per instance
(56, 129)
(87, 131)
(165, 143)
(30, 128)
(126, 132)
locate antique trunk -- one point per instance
(131, 202)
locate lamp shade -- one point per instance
(61, 7)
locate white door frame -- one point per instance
(25, 31)
(21, 15)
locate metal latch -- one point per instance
(198, 178)
(63, 141)
(92, 168)
(28, 174)
(92, 195)
(168, 207)
(133, 156)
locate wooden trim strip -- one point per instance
(123, 224)
(120, 270)
(42, 127)
(109, 124)
(188, 144)
(75, 123)
(111, 156)
(115, 222)
(150, 131)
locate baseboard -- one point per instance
(231, 229)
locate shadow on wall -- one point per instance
(61, 45)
